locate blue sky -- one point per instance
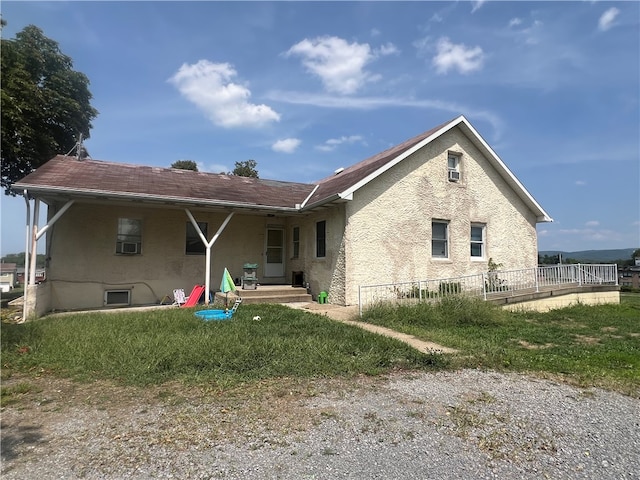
(304, 88)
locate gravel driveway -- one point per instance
(466, 424)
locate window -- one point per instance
(453, 166)
(117, 297)
(296, 242)
(129, 239)
(321, 238)
(440, 239)
(477, 240)
(194, 245)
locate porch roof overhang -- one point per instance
(66, 178)
(61, 194)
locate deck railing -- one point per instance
(489, 284)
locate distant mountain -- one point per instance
(594, 255)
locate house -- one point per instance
(40, 275)
(438, 205)
(629, 276)
(8, 276)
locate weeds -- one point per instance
(171, 344)
(591, 345)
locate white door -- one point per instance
(274, 261)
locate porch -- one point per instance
(538, 288)
(268, 294)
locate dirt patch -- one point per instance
(534, 346)
(586, 340)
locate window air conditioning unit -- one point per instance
(129, 247)
(454, 176)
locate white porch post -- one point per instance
(208, 245)
(26, 257)
(31, 245)
(34, 242)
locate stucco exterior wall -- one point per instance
(388, 222)
(562, 301)
(83, 263)
(325, 273)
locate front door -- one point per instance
(274, 262)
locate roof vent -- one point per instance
(338, 171)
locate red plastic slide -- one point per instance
(194, 296)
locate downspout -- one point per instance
(208, 245)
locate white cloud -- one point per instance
(339, 64)
(592, 223)
(208, 86)
(476, 5)
(581, 183)
(587, 234)
(371, 103)
(333, 143)
(287, 145)
(374, 32)
(514, 22)
(607, 19)
(388, 49)
(460, 57)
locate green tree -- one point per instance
(18, 259)
(185, 165)
(246, 169)
(45, 104)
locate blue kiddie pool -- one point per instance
(214, 314)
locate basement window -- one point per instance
(117, 298)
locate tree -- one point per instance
(185, 165)
(45, 104)
(246, 169)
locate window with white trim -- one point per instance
(453, 166)
(296, 242)
(477, 240)
(440, 239)
(321, 239)
(129, 238)
(193, 243)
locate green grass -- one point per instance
(585, 345)
(171, 344)
(588, 345)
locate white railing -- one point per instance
(489, 284)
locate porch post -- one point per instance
(26, 257)
(208, 245)
(34, 243)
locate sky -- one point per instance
(304, 88)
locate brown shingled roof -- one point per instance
(330, 187)
(68, 175)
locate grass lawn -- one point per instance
(172, 344)
(586, 345)
(583, 345)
